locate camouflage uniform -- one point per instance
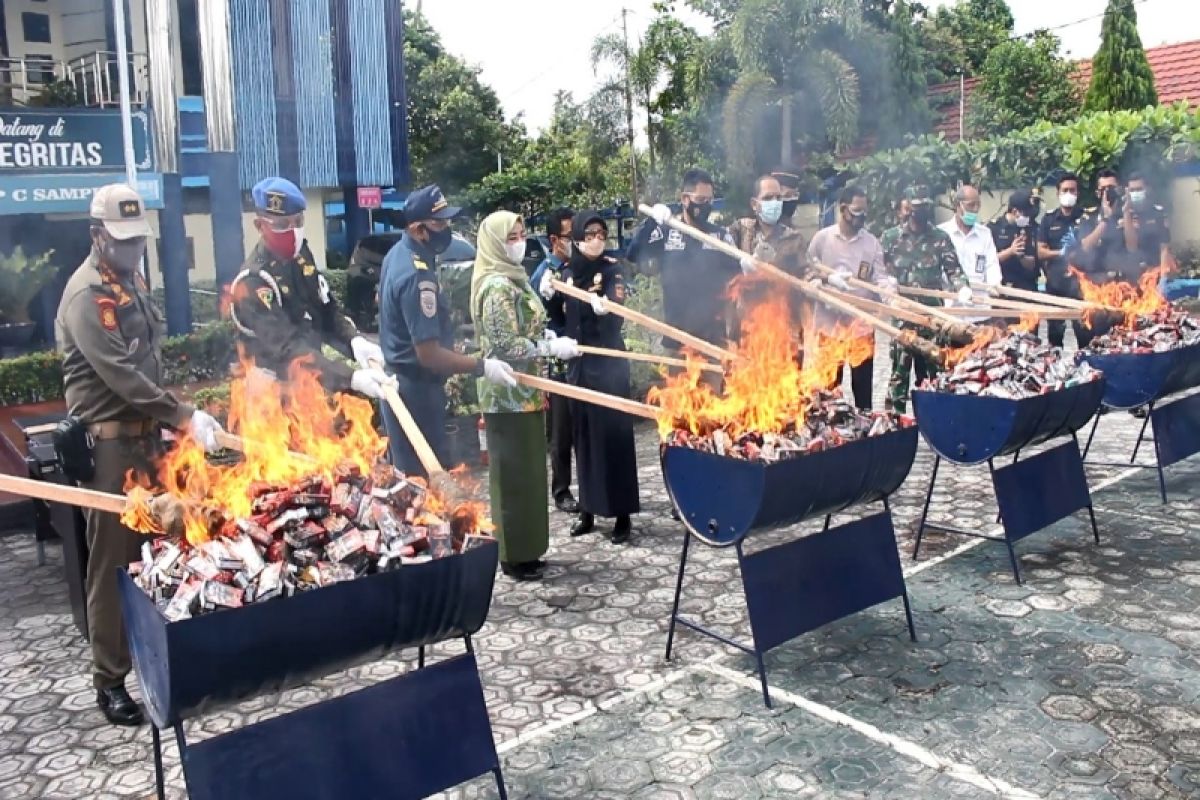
(926, 259)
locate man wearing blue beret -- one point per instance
(416, 330)
(281, 304)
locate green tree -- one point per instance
(1024, 81)
(1121, 75)
(787, 73)
(962, 35)
(455, 122)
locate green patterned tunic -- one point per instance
(511, 321)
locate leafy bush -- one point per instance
(21, 278)
(199, 357)
(205, 302)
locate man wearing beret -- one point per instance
(281, 303)
(416, 331)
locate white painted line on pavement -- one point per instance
(999, 529)
(912, 750)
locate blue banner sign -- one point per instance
(67, 194)
(69, 140)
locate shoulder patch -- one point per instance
(266, 295)
(429, 303)
(656, 234)
(107, 307)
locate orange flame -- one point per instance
(327, 432)
(1129, 300)
(766, 391)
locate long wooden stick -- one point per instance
(1049, 299)
(649, 358)
(994, 302)
(588, 396)
(416, 438)
(61, 493)
(1014, 313)
(231, 441)
(907, 338)
(882, 308)
(648, 322)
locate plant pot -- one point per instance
(462, 441)
(15, 338)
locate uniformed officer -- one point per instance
(1053, 234)
(694, 275)
(110, 334)
(416, 330)
(1150, 233)
(1015, 235)
(918, 253)
(281, 304)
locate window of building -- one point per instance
(36, 27)
(39, 69)
(189, 48)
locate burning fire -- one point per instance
(1132, 301)
(989, 333)
(766, 390)
(286, 439)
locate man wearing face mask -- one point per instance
(416, 330)
(694, 276)
(917, 253)
(1147, 232)
(850, 250)
(766, 235)
(789, 184)
(110, 334)
(1053, 235)
(973, 244)
(1015, 236)
(281, 304)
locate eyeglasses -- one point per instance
(592, 235)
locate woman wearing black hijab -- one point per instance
(604, 446)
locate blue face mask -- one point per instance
(769, 211)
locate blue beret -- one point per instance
(428, 202)
(278, 197)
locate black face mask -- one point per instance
(122, 255)
(438, 240)
(789, 209)
(922, 215)
(699, 211)
(856, 221)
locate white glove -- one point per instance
(838, 281)
(498, 372)
(544, 288)
(366, 353)
(660, 213)
(204, 429)
(371, 382)
(748, 264)
(563, 348)
(965, 296)
(890, 287)
(599, 307)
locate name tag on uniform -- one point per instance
(980, 265)
(864, 270)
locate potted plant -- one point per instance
(21, 278)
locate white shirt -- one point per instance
(977, 254)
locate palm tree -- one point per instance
(784, 62)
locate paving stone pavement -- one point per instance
(1082, 683)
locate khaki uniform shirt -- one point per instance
(110, 334)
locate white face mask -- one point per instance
(1022, 221)
(1067, 200)
(769, 211)
(566, 247)
(299, 240)
(592, 248)
(515, 251)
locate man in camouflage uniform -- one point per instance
(918, 253)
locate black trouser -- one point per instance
(862, 382)
(559, 430)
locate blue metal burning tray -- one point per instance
(968, 429)
(802, 584)
(720, 500)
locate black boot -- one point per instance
(585, 524)
(622, 530)
(118, 706)
(567, 504)
(525, 571)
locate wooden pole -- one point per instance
(1015, 313)
(231, 441)
(416, 438)
(648, 322)
(61, 493)
(1050, 300)
(588, 396)
(882, 308)
(649, 358)
(995, 302)
(906, 337)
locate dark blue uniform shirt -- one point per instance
(412, 308)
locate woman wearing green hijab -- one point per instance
(509, 322)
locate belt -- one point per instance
(120, 429)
